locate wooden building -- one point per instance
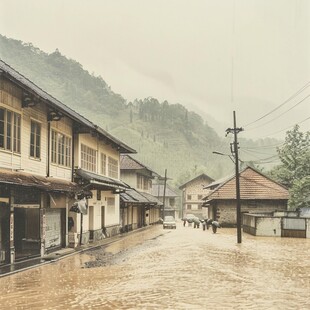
(138, 206)
(49, 156)
(258, 193)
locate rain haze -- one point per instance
(213, 57)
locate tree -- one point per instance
(294, 172)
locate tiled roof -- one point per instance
(36, 181)
(253, 185)
(202, 176)
(158, 191)
(129, 163)
(26, 84)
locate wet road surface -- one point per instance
(185, 268)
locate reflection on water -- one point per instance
(184, 268)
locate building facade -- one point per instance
(44, 149)
(192, 194)
(258, 193)
(138, 206)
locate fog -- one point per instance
(211, 56)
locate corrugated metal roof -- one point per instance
(27, 85)
(253, 185)
(133, 196)
(30, 180)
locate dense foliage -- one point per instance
(294, 171)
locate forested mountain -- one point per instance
(165, 135)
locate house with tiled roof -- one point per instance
(169, 197)
(138, 206)
(258, 193)
(192, 194)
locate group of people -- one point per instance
(205, 223)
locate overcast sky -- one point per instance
(212, 56)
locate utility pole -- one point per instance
(235, 131)
(164, 197)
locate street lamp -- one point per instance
(222, 154)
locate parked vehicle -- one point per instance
(169, 222)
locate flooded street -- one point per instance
(184, 268)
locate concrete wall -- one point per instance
(225, 211)
(270, 226)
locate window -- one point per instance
(35, 140)
(10, 131)
(199, 206)
(110, 205)
(143, 182)
(139, 181)
(98, 194)
(61, 149)
(113, 167)
(103, 167)
(189, 197)
(199, 197)
(189, 207)
(172, 202)
(88, 158)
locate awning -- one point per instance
(99, 181)
(135, 197)
(24, 179)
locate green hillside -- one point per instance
(165, 135)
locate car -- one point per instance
(169, 222)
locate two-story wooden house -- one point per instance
(50, 156)
(169, 198)
(138, 206)
(192, 194)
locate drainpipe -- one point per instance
(48, 148)
(72, 157)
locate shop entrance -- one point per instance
(4, 233)
(26, 232)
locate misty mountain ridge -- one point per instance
(165, 135)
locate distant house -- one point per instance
(138, 206)
(192, 195)
(258, 193)
(171, 203)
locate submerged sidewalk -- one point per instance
(10, 269)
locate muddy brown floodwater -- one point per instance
(185, 268)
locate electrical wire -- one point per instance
(298, 103)
(281, 105)
(274, 133)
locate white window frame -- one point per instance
(11, 131)
(61, 149)
(113, 167)
(88, 158)
(36, 134)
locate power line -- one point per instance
(262, 146)
(274, 133)
(302, 100)
(282, 104)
